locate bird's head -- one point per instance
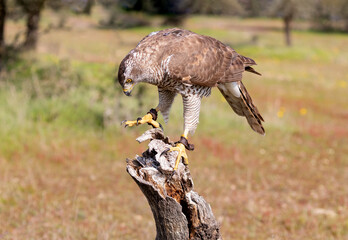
(128, 74)
(127, 85)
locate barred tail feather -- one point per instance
(252, 70)
(240, 101)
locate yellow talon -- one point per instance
(146, 119)
(181, 153)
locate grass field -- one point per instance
(62, 151)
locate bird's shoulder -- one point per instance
(162, 41)
(165, 36)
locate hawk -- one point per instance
(182, 62)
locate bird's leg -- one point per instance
(180, 147)
(150, 118)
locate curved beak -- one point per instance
(127, 91)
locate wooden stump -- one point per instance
(179, 212)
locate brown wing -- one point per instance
(203, 60)
(195, 59)
(200, 60)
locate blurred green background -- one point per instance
(63, 151)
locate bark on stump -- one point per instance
(179, 212)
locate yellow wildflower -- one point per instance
(281, 112)
(342, 84)
(303, 111)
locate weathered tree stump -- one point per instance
(179, 212)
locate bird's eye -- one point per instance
(128, 80)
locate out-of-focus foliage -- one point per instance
(175, 11)
(77, 6)
(325, 15)
(184, 6)
(31, 5)
(287, 10)
(157, 6)
(218, 7)
(32, 8)
(122, 14)
(2, 24)
(329, 15)
(14, 10)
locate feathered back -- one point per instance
(194, 59)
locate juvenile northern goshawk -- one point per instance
(180, 61)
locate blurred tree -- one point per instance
(57, 5)
(121, 14)
(344, 12)
(321, 16)
(61, 8)
(287, 10)
(154, 6)
(87, 9)
(174, 11)
(2, 30)
(177, 10)
(217, 7)
(33, 10)
(2, 25)
(328, 15)
(256, 8)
